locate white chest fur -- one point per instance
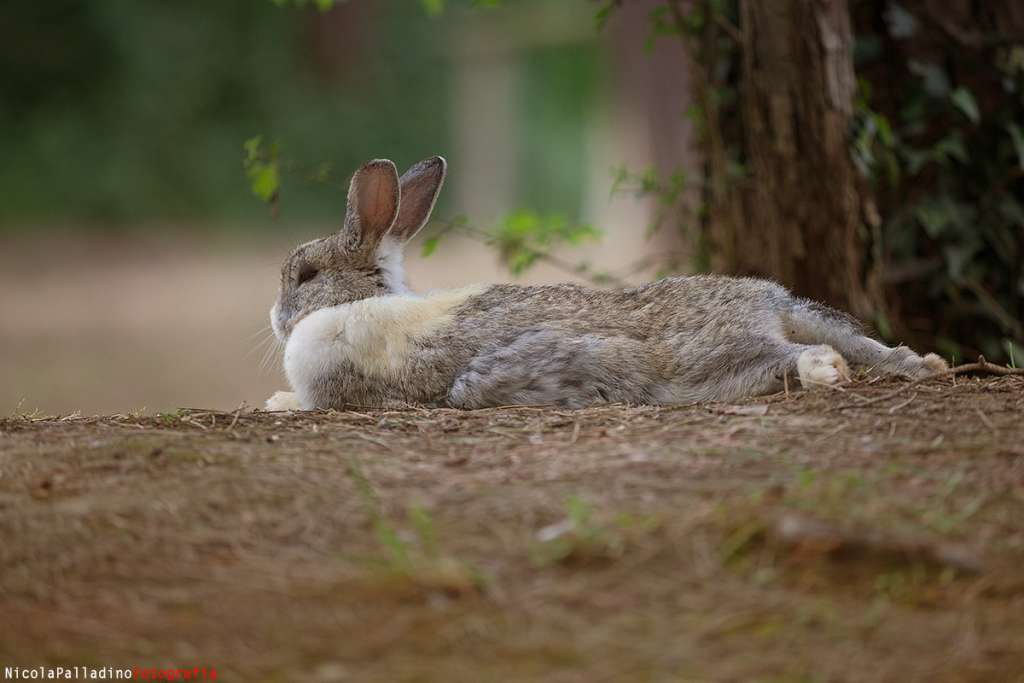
(373, 335)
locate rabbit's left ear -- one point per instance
(372, 204)
(420, 186)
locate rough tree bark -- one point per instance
(799, 213)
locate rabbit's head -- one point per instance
(364, 258)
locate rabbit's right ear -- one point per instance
(373, 197)
(420, 186)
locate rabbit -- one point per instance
(355, 335)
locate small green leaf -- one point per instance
(965, 102)
(603, 14)
(1012, 211)
(430, 245)
(902, 23)
(957, 257)
(934, 217)
(695, 113)
(252, 148)
(433, 7)
(262, 169)
(520, 261)
(322, 5)
(1018, 142)
(264, 181)
(951, 147)
(936, 83)
(885, 134)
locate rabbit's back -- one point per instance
(664, 342)
(675, 310)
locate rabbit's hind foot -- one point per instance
(933, 364)
(820, 367)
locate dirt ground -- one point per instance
(874, 533)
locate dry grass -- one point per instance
(867, 534)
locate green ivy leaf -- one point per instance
(901, 23)
(1018, 142)
(1012, 211)
(936, 83)
(885, 134)
(965, 102)
(937, 215)
(951, 147)
(957, 257)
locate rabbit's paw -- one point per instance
(283, 400)
(821, 367)
(934, 364)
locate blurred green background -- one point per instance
(120, 112)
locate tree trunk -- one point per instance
(800, 204)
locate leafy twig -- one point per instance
(577, 270)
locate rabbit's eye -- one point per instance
(306, 273)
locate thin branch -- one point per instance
(729, 27)
(598, 280)
(982, 366)
(972, 39)
(992, 305)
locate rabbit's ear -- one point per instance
(373, 197)
(420, 186)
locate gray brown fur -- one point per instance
(677, 340)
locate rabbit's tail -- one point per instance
(808, 322)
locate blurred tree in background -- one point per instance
(868, 153)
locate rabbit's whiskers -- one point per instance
(260, 344)
(261, 331)
(273, 350)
